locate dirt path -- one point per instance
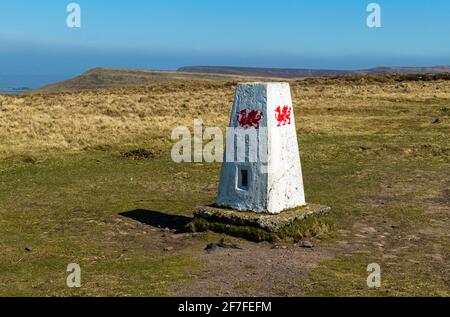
(256, 269)
(259, 269)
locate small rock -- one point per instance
(369, 230)
(29, 249)
(211, 247)
(378, 245)
(168, 249)
(408, 151)
(436, 120)
(183, 175)
(284, 247)
(307, 244)
(412, 238)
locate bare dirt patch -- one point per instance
(139, 154)
(259, 269)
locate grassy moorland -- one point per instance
(72, 190)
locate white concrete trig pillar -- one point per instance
(262, 170)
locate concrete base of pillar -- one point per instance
(294, 223)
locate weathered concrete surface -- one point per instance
(275, 177)
(285, 179)
(251, 97)
(268, 222)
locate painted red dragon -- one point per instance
(249, 119)
(283, 115)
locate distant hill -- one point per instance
(407, 70)
(114, 77)
(304, 72)
(13, 91)
(263, 72)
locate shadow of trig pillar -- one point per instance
(262, 170)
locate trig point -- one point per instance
(273, 183)
(261, 181)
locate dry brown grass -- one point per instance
(135, 115)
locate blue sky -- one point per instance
(37, 47)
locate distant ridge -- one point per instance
(98, 78)
(305, 72)
(14, 90)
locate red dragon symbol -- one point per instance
(250, 119)
(283, 116)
